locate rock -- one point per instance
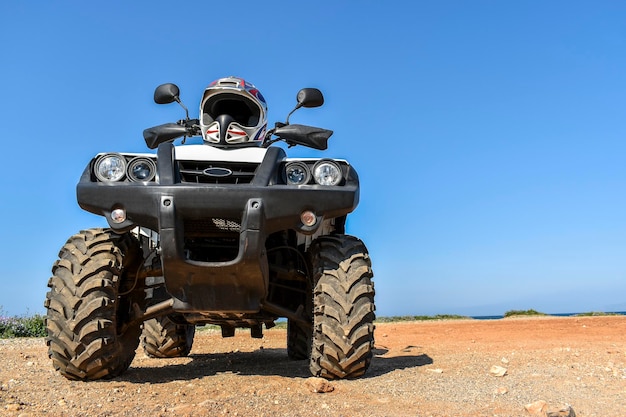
(501, 390)
(565, 411)
(497, 370)
(319, 385)
(13, 407)
(538, 408)
(436, 370)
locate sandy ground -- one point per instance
(420, 369)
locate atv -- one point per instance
(228, 232)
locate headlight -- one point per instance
(297, 173)
(110, 167)
(141, 169)
(327, 173)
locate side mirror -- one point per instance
(166, 93)
(169, 93)
(310, 97)
(307, 97)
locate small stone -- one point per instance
(13, 407)
(501, 390)
(497, 371)
(319, 385)
(504, 360)
(436, 370)
(564, 411)
(538, 408)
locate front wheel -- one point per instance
(90, 302)
(343, 307)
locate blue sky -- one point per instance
(489, 136)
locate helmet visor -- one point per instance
(243, 110)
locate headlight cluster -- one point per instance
(324, 172)
(113, 167)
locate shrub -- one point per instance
(420, 318)
(33, 326)
(595, 313)
(531, 312)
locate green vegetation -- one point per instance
(595, 313)
(34, 326)
(531, 312)
(24, 326)
(420, 318)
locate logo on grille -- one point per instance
(217, 172)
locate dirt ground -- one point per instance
(419, 369)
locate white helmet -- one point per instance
(233, 113)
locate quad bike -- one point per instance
(235, 236)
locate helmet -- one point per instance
(233, 113)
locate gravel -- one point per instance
(419, 369)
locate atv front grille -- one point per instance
(200, 172)
(211, 239)
(211, 227)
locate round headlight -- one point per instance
(110, 167)
(141, 169)
(327, 173)
(297, 173)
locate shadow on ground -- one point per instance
(262, 362)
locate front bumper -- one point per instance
(262, 207)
